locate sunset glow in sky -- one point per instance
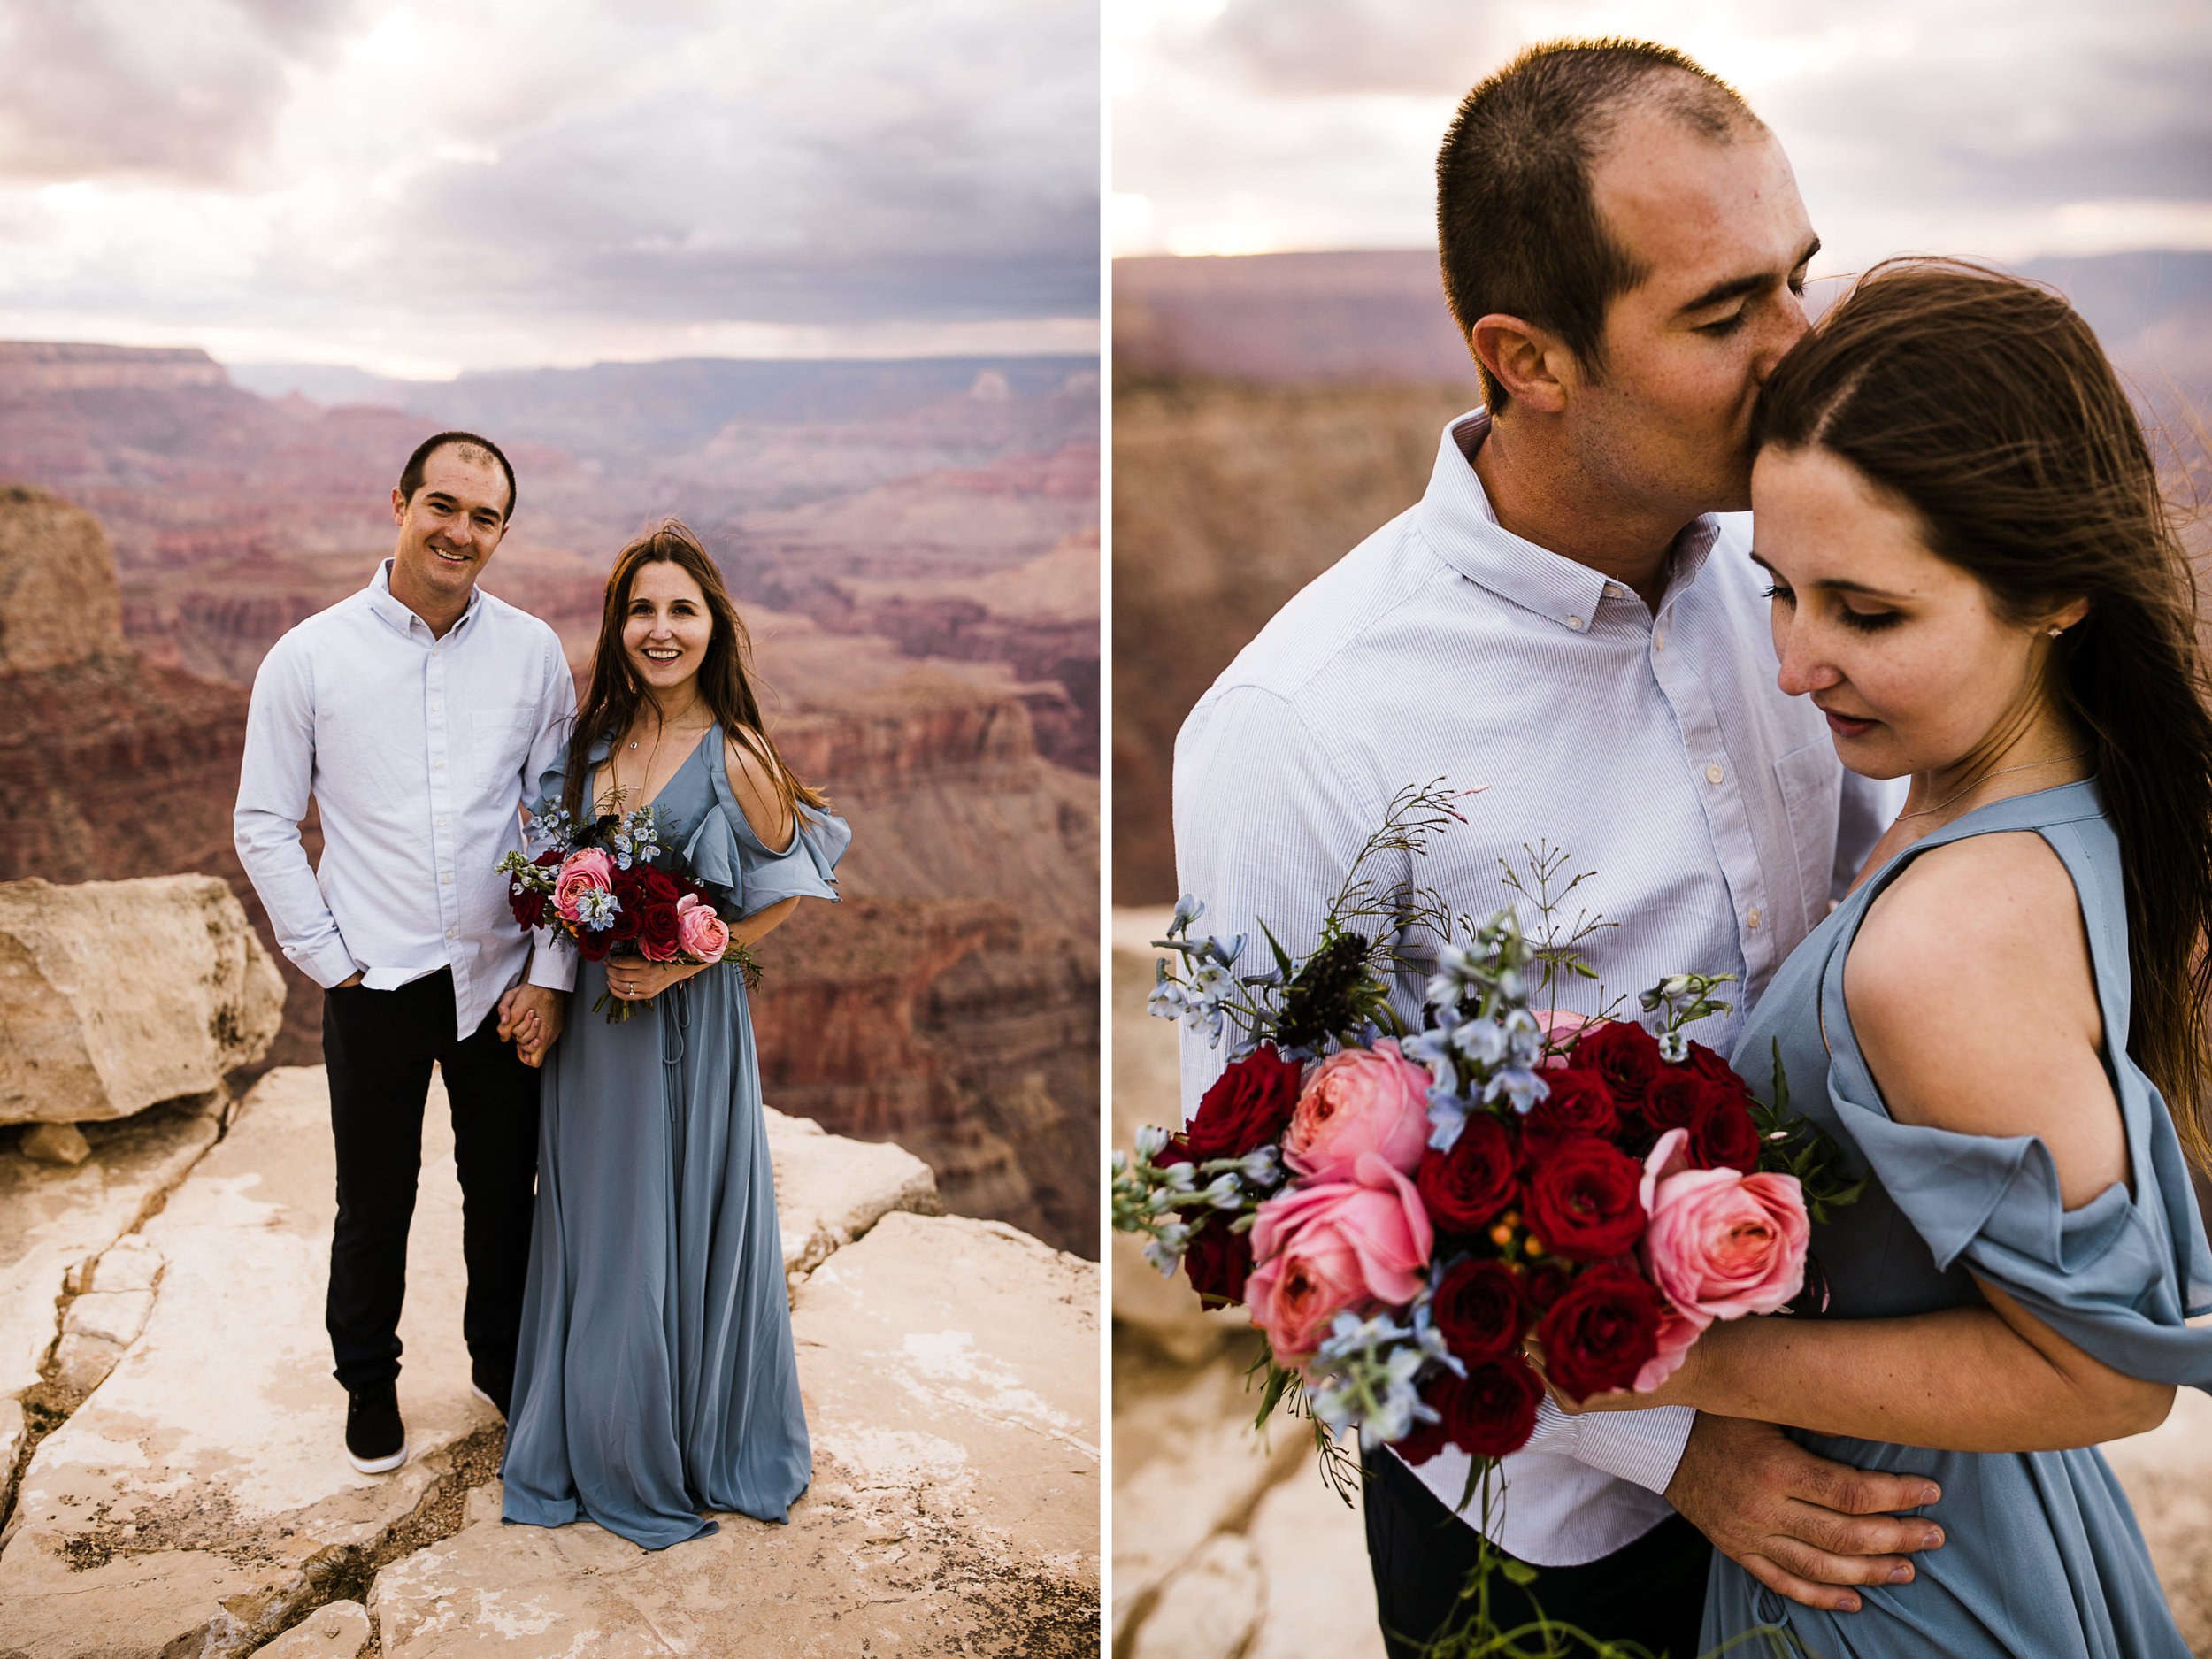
(2004, 129)
(417, 189)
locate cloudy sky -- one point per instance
(417, 188)
(2000, 128)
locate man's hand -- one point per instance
(348, 984)
(1803, 1527)
(531, 1016)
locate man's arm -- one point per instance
(275, 783)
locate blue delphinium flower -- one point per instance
(596, 908)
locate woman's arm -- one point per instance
(1974, 1001)
(1967, 1379)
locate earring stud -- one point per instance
(2057, 632)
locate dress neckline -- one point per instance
(606, 758)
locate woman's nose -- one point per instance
(1804, 667)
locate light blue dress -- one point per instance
(654, 1379)
(2042, 1558)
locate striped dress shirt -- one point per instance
(1656, 751)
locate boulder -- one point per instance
(201, 1496)
(117, 994)
(949, 1370)
(55, 1221)
(55, 1143)
(337, 1630)
(830, 1190)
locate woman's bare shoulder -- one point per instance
(754, 787)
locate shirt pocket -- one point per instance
(1810, 779)
(499, 747)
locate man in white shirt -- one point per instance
(419, 715)
(1563, 622)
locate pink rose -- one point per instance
(1322, 1249)
(1721, 1243)
(1559, 1026)
(1678, 1330)
(1359, 1101)
(702, 934)
(579, 870)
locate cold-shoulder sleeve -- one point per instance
(2118, 1278)
(725, 851)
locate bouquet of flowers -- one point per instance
(595, 883)
(1403, 1210)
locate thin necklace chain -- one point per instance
(2023, 766)
(660, 730)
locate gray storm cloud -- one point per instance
(774, 162)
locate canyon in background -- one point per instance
(1272, 411)
(914, 545)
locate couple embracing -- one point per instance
(1960, 574)
(626, 1308)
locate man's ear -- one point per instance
(399, 506)
(1528, 362)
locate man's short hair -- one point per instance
(1517, 225)
(411, 475)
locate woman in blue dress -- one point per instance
(1975, 578)
(655, 1379)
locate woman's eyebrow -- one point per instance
(1836, 584)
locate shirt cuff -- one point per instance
(329, 965)
(1643, 1447)
(552, 965)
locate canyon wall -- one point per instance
(959, 978)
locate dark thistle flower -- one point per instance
(1322, 1000)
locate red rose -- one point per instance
(1725, 1138)
(627, 885)
(1466, 1188)
(1217, 1261)
(657, 884)
(623, 928)
(1624, 1054)
(1247, 1108)
(1708, 1064)
(1679, 1098)
(1545, 1285)
(660, 930)
(1599, 1334)
(1481, 1309)
(1487, 1413)
(593, 944)
(1583, 1202)
(1494, 1408)
(1423, 1440)
(529, 905)
(1580, 1104)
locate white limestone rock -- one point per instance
(949, 1370)
(830, 1190)
(55, 1221)
(117, 994)
(337, 1630)
(55, 1143)
(202, 1496)
(1211, 1610)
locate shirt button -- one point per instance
(1658, 639)
(1613, 590)
(440, 823)
(1752, 918)
(450, 931)
(434, 708)
(1576, 624)
(446, 881)
(1714, 774)
(439, 765)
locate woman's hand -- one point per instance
(634, 980)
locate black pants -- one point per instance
(1651, 1591)
(378, 1046)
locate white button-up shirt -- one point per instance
(1656, 751)
(420, 751)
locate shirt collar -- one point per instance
(399, 616)
(1459, 524)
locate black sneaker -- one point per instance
(376, 1440)
(494, 1388)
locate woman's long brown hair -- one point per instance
(1985, 405)
(726, 682)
